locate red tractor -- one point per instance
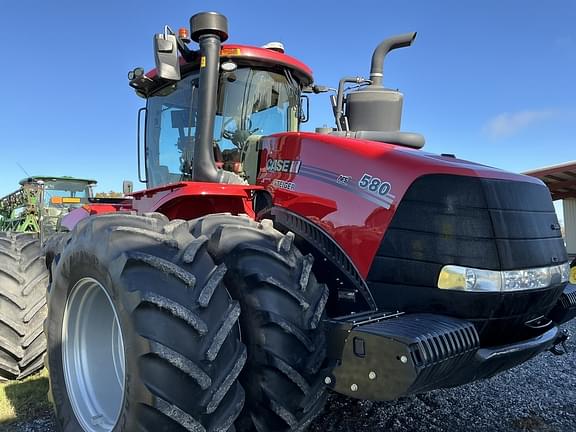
(263, 266)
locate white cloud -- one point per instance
(507, 124)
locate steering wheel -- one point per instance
(238, 136)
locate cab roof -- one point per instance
(256, 55)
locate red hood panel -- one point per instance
(320, 177)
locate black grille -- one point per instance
(483, 223)
(474, 222)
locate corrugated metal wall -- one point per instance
(570, 224)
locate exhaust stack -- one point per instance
(209, 29)
(387, 45)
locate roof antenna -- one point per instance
(22, 168)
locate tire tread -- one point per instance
(285, 392)
(184, 385)
(23, 284)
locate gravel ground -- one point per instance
(43, 424)
(537, 396)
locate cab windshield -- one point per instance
(59, 198)
(55, 190)
(251, 103)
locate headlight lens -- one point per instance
(478, 280)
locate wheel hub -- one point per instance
(93, 356)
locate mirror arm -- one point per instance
(188, 54)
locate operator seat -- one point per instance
(164, 176)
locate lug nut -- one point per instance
(404, 359)
(372, 375)
(327, 380)
(354, 387)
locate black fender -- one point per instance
(349, 292)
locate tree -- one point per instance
(110, 194)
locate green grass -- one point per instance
(24, 400)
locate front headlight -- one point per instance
(478, 280)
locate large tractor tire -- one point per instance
(142, 334)
(281, 321)
(23, 283)
(54, 246)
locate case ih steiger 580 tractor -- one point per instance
(28, 218)
(264, 266)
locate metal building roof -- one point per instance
(560, 179)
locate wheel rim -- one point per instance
(93, 356)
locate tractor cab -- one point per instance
(251, 102)
(57, 197)
(257, 92)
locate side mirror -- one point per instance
(304, 113)
(166, 56)
(127, 187)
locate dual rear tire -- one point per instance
(160, 325)
(281, 322)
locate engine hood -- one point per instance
(351, 188)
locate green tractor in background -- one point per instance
(29, 218)
(41, 202)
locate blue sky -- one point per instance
(491, 81)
